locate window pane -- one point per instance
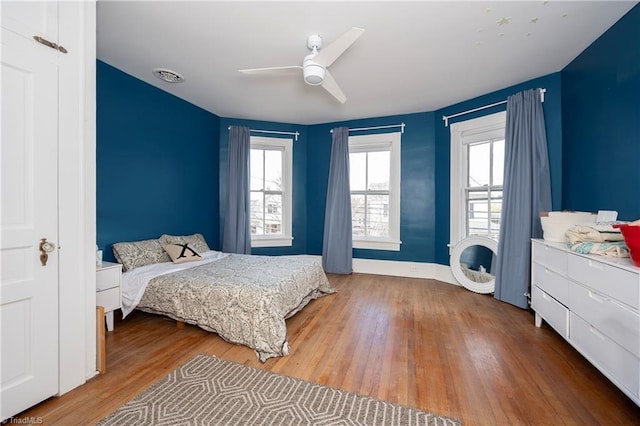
(379, 169)
(378, 215)
(273, 170)
(477, 213)
(483, 215)
(498, 162)
(495, 216)
(358, 223)
(358, 171)
(257, 217)
(479, 164)
(273, 214)
(256, 164)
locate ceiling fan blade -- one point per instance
(273, 70)
(331, 86)
(328, 54)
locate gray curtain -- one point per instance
(527, 192)
(337, 240)
(236, 235)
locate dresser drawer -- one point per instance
(552, 311)
(620, 365)
(107, 278)
(109, 299)
(608, 280)
(550, 257)
(619, 323)
(551, 282)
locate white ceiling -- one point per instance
(413, 57)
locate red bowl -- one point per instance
(631, 235)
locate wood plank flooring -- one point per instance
(416, 342)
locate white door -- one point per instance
(29, 213)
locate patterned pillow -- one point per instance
(139, 253)
(195, 241)
(180, 253)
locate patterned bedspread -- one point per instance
(245, 299)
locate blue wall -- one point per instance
(157, 163)
(601, 123)
(553, 121)
(424, 230)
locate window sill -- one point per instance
(371, 244)
(279, 241)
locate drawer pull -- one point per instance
(596, 265)
(593, 330)
(595, 297)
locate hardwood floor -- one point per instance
(416, 342)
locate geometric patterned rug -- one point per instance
(211, 391)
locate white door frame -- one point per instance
(77, 199)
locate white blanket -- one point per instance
(135, 282)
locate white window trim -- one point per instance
(462, 133)
(371, 142)
(285, 239)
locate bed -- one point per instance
(245, 299)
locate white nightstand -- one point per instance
(108, 277)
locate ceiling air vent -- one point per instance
(168, 75)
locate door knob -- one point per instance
(45, 248)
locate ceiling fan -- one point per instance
(315, 64)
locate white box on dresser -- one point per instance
(593, 302)
(108, 279)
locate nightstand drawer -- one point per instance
(108, 278)
(109, 299)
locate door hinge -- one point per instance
(50, 44)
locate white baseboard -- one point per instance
(395, 268)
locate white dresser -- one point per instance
(108, 278)
(593, 302)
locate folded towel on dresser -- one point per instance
(613, 249)
(583, 233)
(588, 240)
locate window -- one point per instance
(483, 188)
(374, 165)
(477, 164)
(271, 165)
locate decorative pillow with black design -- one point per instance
(195, 241)
(180, 253)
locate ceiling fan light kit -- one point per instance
(313, 73)
(315, 64)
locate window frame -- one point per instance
(463, 133)
(392, 143)
(285, 145)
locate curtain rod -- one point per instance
(275, 132)
(401, 125)
(447, 117)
